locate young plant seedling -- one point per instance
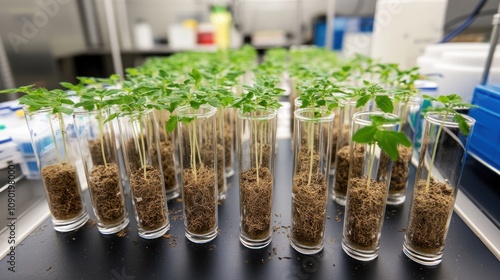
(387, 73)
(190, 93)
(362, 67)
(405, 87)
(86, 83)
(403, 96)
(320, 93)
(450, 103)
(372, 91)
(406, 78)
(60, 178)
(194, 94)
(387, 140)
(316, 95)
(135, 99)
(342, 74)
(96, 99)
(259, 97)
(243, 59)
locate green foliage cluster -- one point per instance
(197, 78)
(387, 140)
(450, 103)
(323, 80)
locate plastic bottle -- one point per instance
(221, 19)
(143, 35)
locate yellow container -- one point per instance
(221, 19)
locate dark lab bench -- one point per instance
(86, 254)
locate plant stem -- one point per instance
(371, 161)
(220, 137)
(143, 146)
(162, 119)
(149, 132)
(261, 132)
(55, 140)
(256, 149)
(63, 135)
(99, 120)
(403, 116)
(137, 142)
(197, 145)
(193, 151)
(434, 152)
(310, 142)
(135, 136)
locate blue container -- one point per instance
(30, 170)
(485, 140)
(338, 33)
(341, 26)
(26, 148)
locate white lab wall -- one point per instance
(57, 24)
(66, 33)
(46, 33)
(293, 16)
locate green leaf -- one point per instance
(428, 97)
(112, 117)
(379, 120)
(214, 102)
(398, 137)
(173, 106)
(62, 109)
(384, 103)
(387, 144)
(186, 119)
(172, 123)
(462, 124)
(305, 104)
(87, 105)
(247, 108)
(454, 98)
(195, 104)
(115, 77)
(226, 101)
(67, 101)
(23, 89)
(68, 85)
(196, 75)
(365, 134)
(9, 90)
(443, 99)
(389, 140)
(141, 100)
(362, 101)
